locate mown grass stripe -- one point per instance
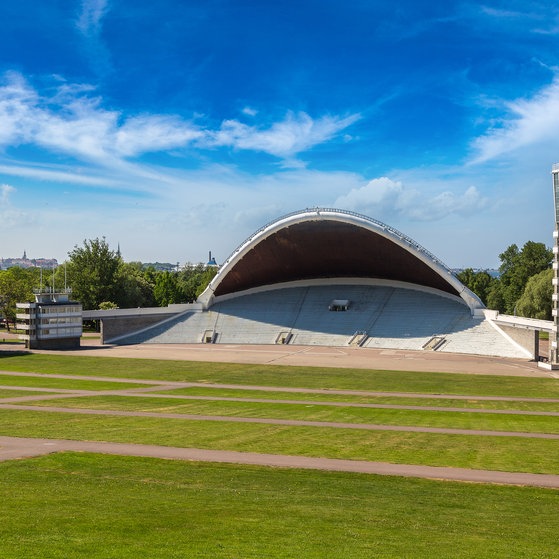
(288, 422)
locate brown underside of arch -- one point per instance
(324, 249)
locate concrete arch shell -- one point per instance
(328, 243)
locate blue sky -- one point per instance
(177, 127)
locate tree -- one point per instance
(107, 306)
(479, 282)
(133, 287)
(535, 302)
(517, 267)
(92, 272)
(166, 290)
(16, 286)
(98, 275)
(193, 279)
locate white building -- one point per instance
(51, 322)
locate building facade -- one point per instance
(554, 338)
(53, 321)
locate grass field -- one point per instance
(282, 376)
(89, 505)
(83, 505)
(316, 412)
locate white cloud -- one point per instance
(10, 217)
(528, 122)
(378, 196)
(497, 13)
(153, 133)
(295, 134)
(92, 12)
(249, 111)
(89, 24)
(384, 198)
(445, 204)
(58, 174)
(16, 102)
(74, 123)
(5, 191)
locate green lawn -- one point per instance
(79, 505)
(440, 401)
(16, 393)
(66, 383)
(316, 412)
(499, 453)
(512, 454)
(280, 376)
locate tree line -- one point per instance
(100, 278)
(524, 286)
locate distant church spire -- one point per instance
(24, 255)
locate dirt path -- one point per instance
(12, 448)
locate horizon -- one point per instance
(178, 128)
(183, 264)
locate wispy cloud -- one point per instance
(10, 217)
(527, 122)
(295, 134)
(385, 198)
(498, 13)
(73, 122)
(89, 19)
(89, 25)
(5, 191)
(249, 111)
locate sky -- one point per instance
(177, 127)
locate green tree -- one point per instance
(479, 282)
(204, 279)
(133, 287)
(166, 290)
(535, 302)
(92, 273)
(107, 305)
(517, 267)
(496, 297)
(16, 286)
(193, 279)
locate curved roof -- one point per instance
(328, 243)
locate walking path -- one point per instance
(13, 447)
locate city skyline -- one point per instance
(183, 127)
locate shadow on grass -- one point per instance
(13, 352)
